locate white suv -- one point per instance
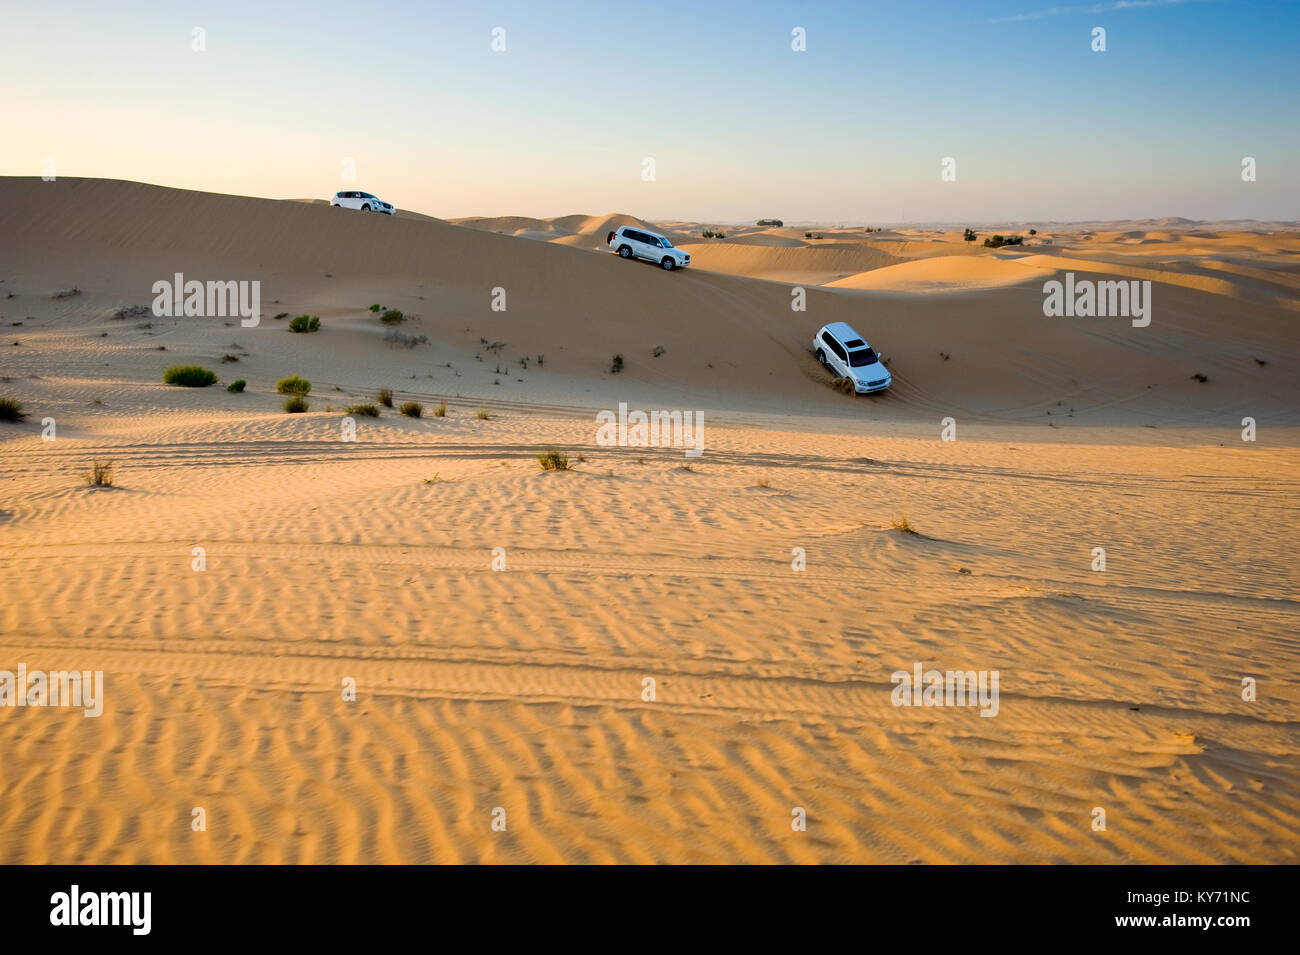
(632, 243)
(847, 354)
(363, 201)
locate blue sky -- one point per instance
(740, 126)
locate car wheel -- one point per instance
(821, 356)
(625, 252)
(366, 207)
(668, 263)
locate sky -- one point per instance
(852, 129)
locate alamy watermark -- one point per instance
(130, 909)
(1085, 298)
(83, 688)
(212, 299)
(923, 687)
(651, 429)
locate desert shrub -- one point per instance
(969, 235)
(386, 397)
(11, 409)
(902, 525)
(376, 307)
(441, 410)
(553, 460)
(189, 376)
(67, 293)
(482, 414)
(227, 357)
(616, 365)
(293, 385)
(305, 323)
(412, 409)
(366, 411)
(101, 474)
(237, 385)
(392, 316)
(773, 222)
(998, 241)
(297, 404)
(280, 315)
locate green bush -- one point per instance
(998, 241)
(616, 365)
(11, 409)
(296, 405)
(237, 385)
(553, 460)
(366, 411)
(375, 308)
(189, 376)
(293, 385)
(392, 317)
(305, 323)
(412, 409)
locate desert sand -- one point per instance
(523, 689)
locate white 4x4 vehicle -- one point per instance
(363, 201)
(847, 354)
(632, 243)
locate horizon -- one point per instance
(861, 119)
(1164, 220)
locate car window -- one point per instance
(835, 346)
(665, 243)
(655, 242)
(863, 357)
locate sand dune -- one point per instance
(522, 689)
(946, 274)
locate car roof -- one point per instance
(637, 228)
(844, 332)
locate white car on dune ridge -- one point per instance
(352, 199)
(631, 243)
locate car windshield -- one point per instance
(366, 195)
(862, 358)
